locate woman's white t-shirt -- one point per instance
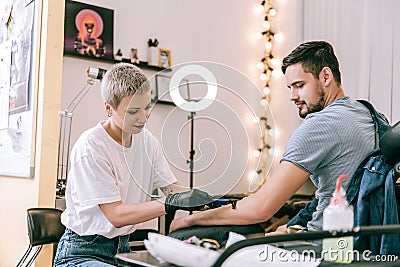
(103, 171)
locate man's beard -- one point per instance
(311, 108)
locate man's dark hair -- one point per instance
(314, 56)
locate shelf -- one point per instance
(164, 103)
(142, 64)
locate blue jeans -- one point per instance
(87, 251)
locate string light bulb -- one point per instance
(268, 46)
(255, 119)
(278, 37)
(263, 102)
(256, 153)
(263, 77)
(259, 36)
(266, 25)
(266, 90)
(272, 132)
(272, 12)
(252, 175)
(277, 73)
(275, 63)
(260, 8)
(271, 151)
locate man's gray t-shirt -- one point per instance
(330, 143)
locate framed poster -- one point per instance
(18, 72)
(88, 31)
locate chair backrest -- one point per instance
(44, 226)
(390, 148)
(390, 144)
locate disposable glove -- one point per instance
(190, 200)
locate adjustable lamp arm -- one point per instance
(77, 99)
(94, 74)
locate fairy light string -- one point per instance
(267, 65)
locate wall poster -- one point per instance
(88, 31)
(16, 91)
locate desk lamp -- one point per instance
(93, 74)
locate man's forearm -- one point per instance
(255, 208)
(244, 213)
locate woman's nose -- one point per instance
(143, 116)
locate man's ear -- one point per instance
(326, 76)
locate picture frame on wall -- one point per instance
(88, 31)
(18, 88)
(164, 58)
(162, 95)
(134, 56)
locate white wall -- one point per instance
(366, 40)
(217, 31)
(223, 32)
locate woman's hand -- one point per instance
(191, 200)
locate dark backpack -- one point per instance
(371, 192)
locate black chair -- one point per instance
(44, 227)
(390, 147)
(136, 239)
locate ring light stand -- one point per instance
(190, 161)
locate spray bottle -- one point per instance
(338, 216)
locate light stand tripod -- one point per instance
(190, 161)
(170, 216)
(65, 129)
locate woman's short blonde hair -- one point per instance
(123, 79)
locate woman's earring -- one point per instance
(109, 115)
